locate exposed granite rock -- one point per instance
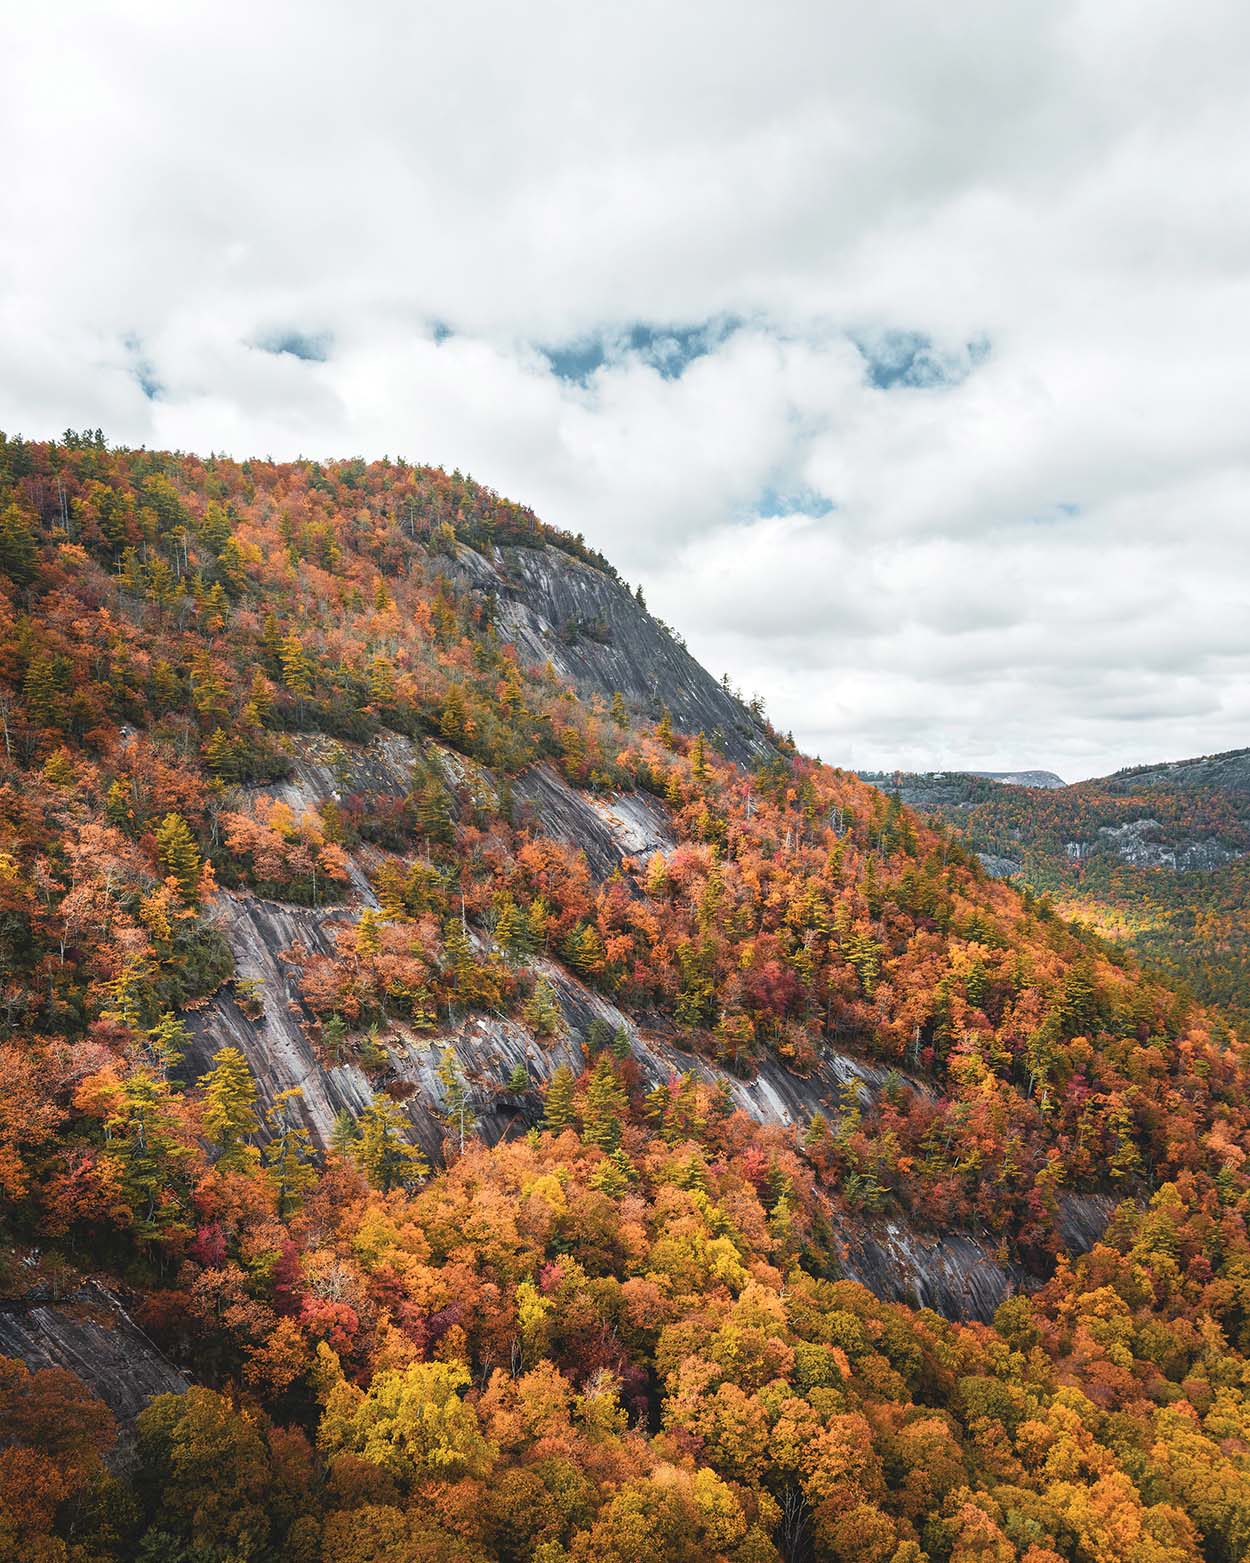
(608, 829)
(93, 1336)
(998, 867)
(276, 1046)
(953, 1273)
(542, 797)
(956, 1273)
(1137, 842)
(594, 632)
(1083, 1219)
(639, 824)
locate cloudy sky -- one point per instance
(902, 352)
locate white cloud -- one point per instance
(1041, 562)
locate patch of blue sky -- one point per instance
(668, 349)
(143, 370)
(311, 346)
(911, 359)
(772, 501)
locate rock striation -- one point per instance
(595, 632)
(92, 1335)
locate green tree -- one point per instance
(19, 551)
(179, 855)
(512, 931)
(168, 1040)
(542, 1012)
(230, 1110)
(143, 1139)
(335, 1040)
(605, 1106)
(221, 756)
(42, 691)
(205, 1471)
(433, 811)
(384, 1153)
(698, 758)
(345, 1135)
(453, 721)
(288, 1157)
(297, 668)
(558, 1100)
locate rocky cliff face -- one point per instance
(1142, 842)
(596, 634)
(958, 1274)
(91, 1334)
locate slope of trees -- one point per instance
(624, 1332)
(1175, 893)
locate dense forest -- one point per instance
(622, 1328)
(1156, 858)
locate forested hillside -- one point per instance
(470, 1091)
(1156, 858)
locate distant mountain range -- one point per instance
(1155, 856)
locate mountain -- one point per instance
(554, 607)
(1023, 778)
(1228, 772)
(1156, 857)
(471, 1090)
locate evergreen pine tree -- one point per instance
(368, 934)
(380, 675)
(558, 1100)
(288, 1157)
(179, 856)
(384, 1154)
(453, 721)
(458, 1110)
(220, 755)
(345, 1135)
(143, 1142)
(118, 804)
(542, 1012)
(41, 691)
(168, 1040)
(511, 929)
(335, 1041)
(19, 551)
(698, 758)
(230, 1110)
(434, 812)
(297, 670)
(260, 697)
(605, 1106)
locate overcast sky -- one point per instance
(902, 352)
